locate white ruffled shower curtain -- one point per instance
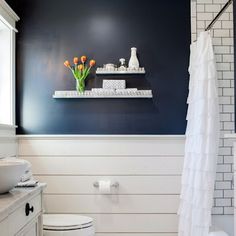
(202, 140)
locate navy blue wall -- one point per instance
(52, 31)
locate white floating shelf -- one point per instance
(102, 71)
(92, 94)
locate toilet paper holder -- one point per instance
(114, 185)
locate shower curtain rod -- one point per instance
(219, 15)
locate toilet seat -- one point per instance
(63, 222)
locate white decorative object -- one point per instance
(122, 65)
(109, 67)
(133, 67)
(133, 61)
(114, 84)
(105, 93)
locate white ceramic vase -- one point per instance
(133, 61)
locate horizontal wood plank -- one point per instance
(135, 223)
(111, 204)
(8, 130)
(106, 166)
(8, 148)
(127, 184)
(102, 146)
(136, 234)
(8, 141)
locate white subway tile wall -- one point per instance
(203, 12)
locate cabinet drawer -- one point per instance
(30, 230)
(21, 216)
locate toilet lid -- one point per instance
(66, 222)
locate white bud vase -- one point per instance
(133, 61)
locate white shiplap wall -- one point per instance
(203, 11)
(148, 169)
(8, 141)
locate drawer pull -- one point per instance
(28, 209)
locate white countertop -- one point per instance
(9, 202)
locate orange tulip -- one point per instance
(76, 60)
(83, 59)
(92, 63)
(80, 67)
(67, 63)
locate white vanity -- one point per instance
(21, 212)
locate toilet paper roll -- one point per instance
(104, 186)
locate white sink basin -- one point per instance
(11, 172)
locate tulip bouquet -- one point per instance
(80, 71)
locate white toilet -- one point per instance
(67, 225)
